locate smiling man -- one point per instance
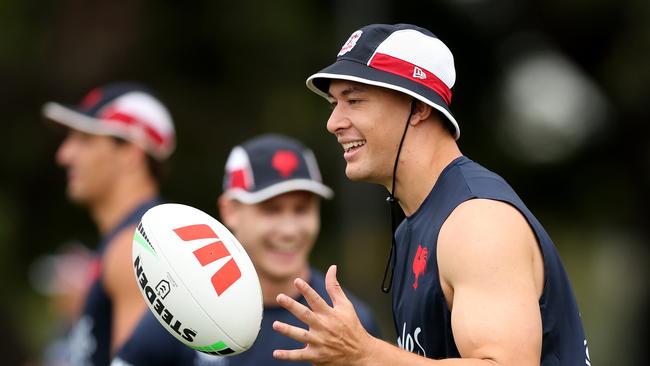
(476, 278)
(271, 197)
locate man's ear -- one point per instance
(133, 156)
(228, 211)
(421, 112)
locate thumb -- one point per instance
(333, 287)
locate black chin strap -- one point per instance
(395, 211)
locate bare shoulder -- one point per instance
(481, 221)
(122, 286)
(117, 261)
(492, 277)
(484, 238)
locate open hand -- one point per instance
(335, 335)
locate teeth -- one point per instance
(350, 145)
(285, 248)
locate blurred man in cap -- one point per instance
(117, 140)
(271, 197)
(476, 279)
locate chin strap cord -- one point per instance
(395, 211)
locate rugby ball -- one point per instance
(197, 279)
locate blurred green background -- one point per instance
(553, 95)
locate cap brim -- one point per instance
(293, 185)
(353, 71)
(70, 118)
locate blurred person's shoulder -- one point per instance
(151, 344)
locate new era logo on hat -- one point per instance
(402, 57)
(418, 73)
(270, 165)
(125, 110)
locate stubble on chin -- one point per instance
(353, 175)
(358, 175)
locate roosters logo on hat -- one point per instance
(350, 43)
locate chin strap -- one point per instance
(395, 211)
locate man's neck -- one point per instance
(271, 288)
(119, 202)
(419, 167)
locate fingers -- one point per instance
(328, 328)
(315, 301)
(293, 355)
(334, 288)
(293, 332)
(300, 311)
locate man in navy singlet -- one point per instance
(271, 201)
(476, 280)
(117, 140)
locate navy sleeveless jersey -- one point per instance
(151, 344)
(422, 318)
(89, 341)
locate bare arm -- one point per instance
(121, 285)
(495, 316)
(492, 273)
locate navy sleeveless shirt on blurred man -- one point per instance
(89, 341)
(151, 344)
(422, 318)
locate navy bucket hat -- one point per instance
(401, 57)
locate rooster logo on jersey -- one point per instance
(419, 264)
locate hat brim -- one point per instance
(274, 190)
(354, 71)
(71, 118)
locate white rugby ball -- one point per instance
(197, 279)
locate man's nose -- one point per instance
(289, 226)
(64, 151)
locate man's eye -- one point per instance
(354, 101)
(269, 209)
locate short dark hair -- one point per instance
(158, 170)
(447, 123)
